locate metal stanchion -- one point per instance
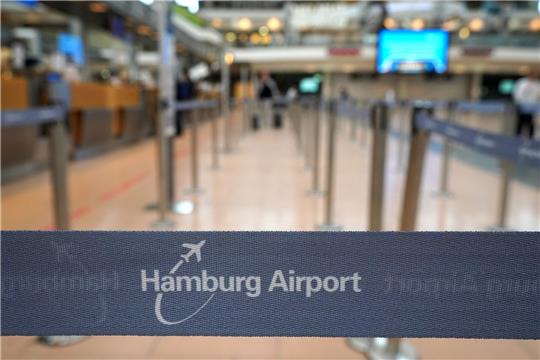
(315, 189)
(165, 128)
(379, 124)
(364, 131)
(506, 176)
(225, 110)
(417, 150)
(402, 143)
(244, 73)
(58, 162)
(195, 189)
(215, 146)
(295, 121)
(502, 206)
(393, 348)
(328, 224)
(352, 117)
(307, 125)
(445, 160)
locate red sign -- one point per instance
(344, 51)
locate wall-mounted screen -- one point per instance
(309, 85)
(72, 46)
(413, 52)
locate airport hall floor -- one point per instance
(262, 185)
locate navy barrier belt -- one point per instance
(482, 106)
(516, 149)
(195, 104)
(392, 284)
(32, 116)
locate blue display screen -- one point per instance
(309, 85)
(410, 51)
(71, 45)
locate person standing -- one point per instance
(526, 92)
(266, 92)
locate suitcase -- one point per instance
(255, 122)
(278, 121)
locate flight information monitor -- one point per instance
(410, 51)
(71, 45)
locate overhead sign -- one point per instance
(428, 284)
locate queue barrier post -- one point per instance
(315, 187)
(308, 125)
(194, 153)
(384, 348)
(328, 223)
(506, 170)
(165, 146)
(445, 160)
(417, 151)
(215, 138)
(353, 119)
(58, 161)
(165, 127)
(379, 124)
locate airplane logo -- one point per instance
(193, 249)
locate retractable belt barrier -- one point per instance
(195, 104)
(32, 116)
(54, 117)
(518, 150)
(392, 284)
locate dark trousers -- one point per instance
(525, 120)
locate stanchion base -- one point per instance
(60, 340)
(194, 191)
(179, 207)
(183, 207)
(444, 194)
(498, 228)
(328, 227)
(378, 349)
(163, 224)
(315, 192)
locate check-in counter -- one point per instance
(150, 108)
(104, 116)
(19, 144)
(129, 121)
(90, 118)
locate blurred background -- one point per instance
(249, 157)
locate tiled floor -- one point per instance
(262, 185)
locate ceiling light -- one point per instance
(450, 25)
(255, 38)
(230, 36)
(266, 40)
(143, 30)
(217, 23)
(229, 58)
(390, 23)
(97, 7)
(244, 24)
(476, 24)
(464, 33)
(263, 31)
(274, 24)
(534, 24)
(417, 24)
(524, 70)
(243, 37)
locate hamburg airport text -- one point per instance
(280, 281)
